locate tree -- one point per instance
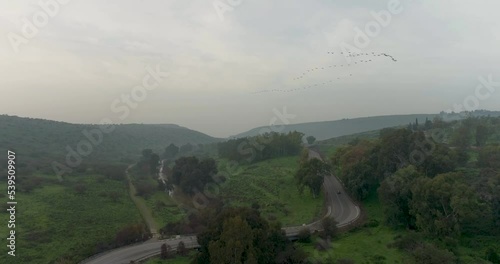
(154, 161)
(492, 256)
(482, 134)
(396, 196)
(304, 235)
(192, 175)
(310, 140)
(489, 157)
(181, 248)
(329, 227)
(186, 148)
(461, 138)
(311, 174)
(171, 151)
(428, 124)
(165, 251)
(234, 235)
(234, 245)
(131, 234)
(429, 254)
(444, 206)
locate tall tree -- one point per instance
(482, 134)
(234, 245)
(181, 248)
(395, 196)
(171, 151)
(234, 235)
(311, 174)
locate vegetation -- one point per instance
(42, 141)
(262, 147)
(61, 222)
(192, 175)
(364, 244)
(241, 235)
(426, 185)
(338, 128)
(270, 186)
(311, 174)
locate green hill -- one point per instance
(45, 141)
(331, 129)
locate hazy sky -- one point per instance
(90, 52)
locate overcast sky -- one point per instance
(90, 52)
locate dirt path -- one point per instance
(143, 208)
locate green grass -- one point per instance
(176, 260)
(159, 208)
(54, 221)
(364, 244)
(329, 146)
(163, 209)
(271, 184)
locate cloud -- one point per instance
(93, 51)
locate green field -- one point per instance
(163, 209)
(364, 244)
(272, 186)
(54, 221)
(159, 206)
(175, 260)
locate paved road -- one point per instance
(339, 206)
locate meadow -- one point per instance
(366, 244)
(63, 222)
(271, 185)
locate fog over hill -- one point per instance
(38, 138)
(330, 129)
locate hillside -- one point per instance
(331, 129)
(43, 139)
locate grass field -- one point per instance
(54, 221)
(176, 260)
(163, 209)
(158, 207)
(271, 184)
(365, 244)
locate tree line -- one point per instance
(262, 147)
(444, 187)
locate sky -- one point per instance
(218, 63)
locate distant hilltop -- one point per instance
(329, 129)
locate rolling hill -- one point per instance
(331, 129)
(39, 139)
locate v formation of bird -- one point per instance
(358, 59)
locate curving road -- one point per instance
(339, 206)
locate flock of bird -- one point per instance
(359, 58)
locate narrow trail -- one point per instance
(143, 208)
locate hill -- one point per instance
(331, 129)
(44, 140)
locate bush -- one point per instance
(304, 235)
(429, 254)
